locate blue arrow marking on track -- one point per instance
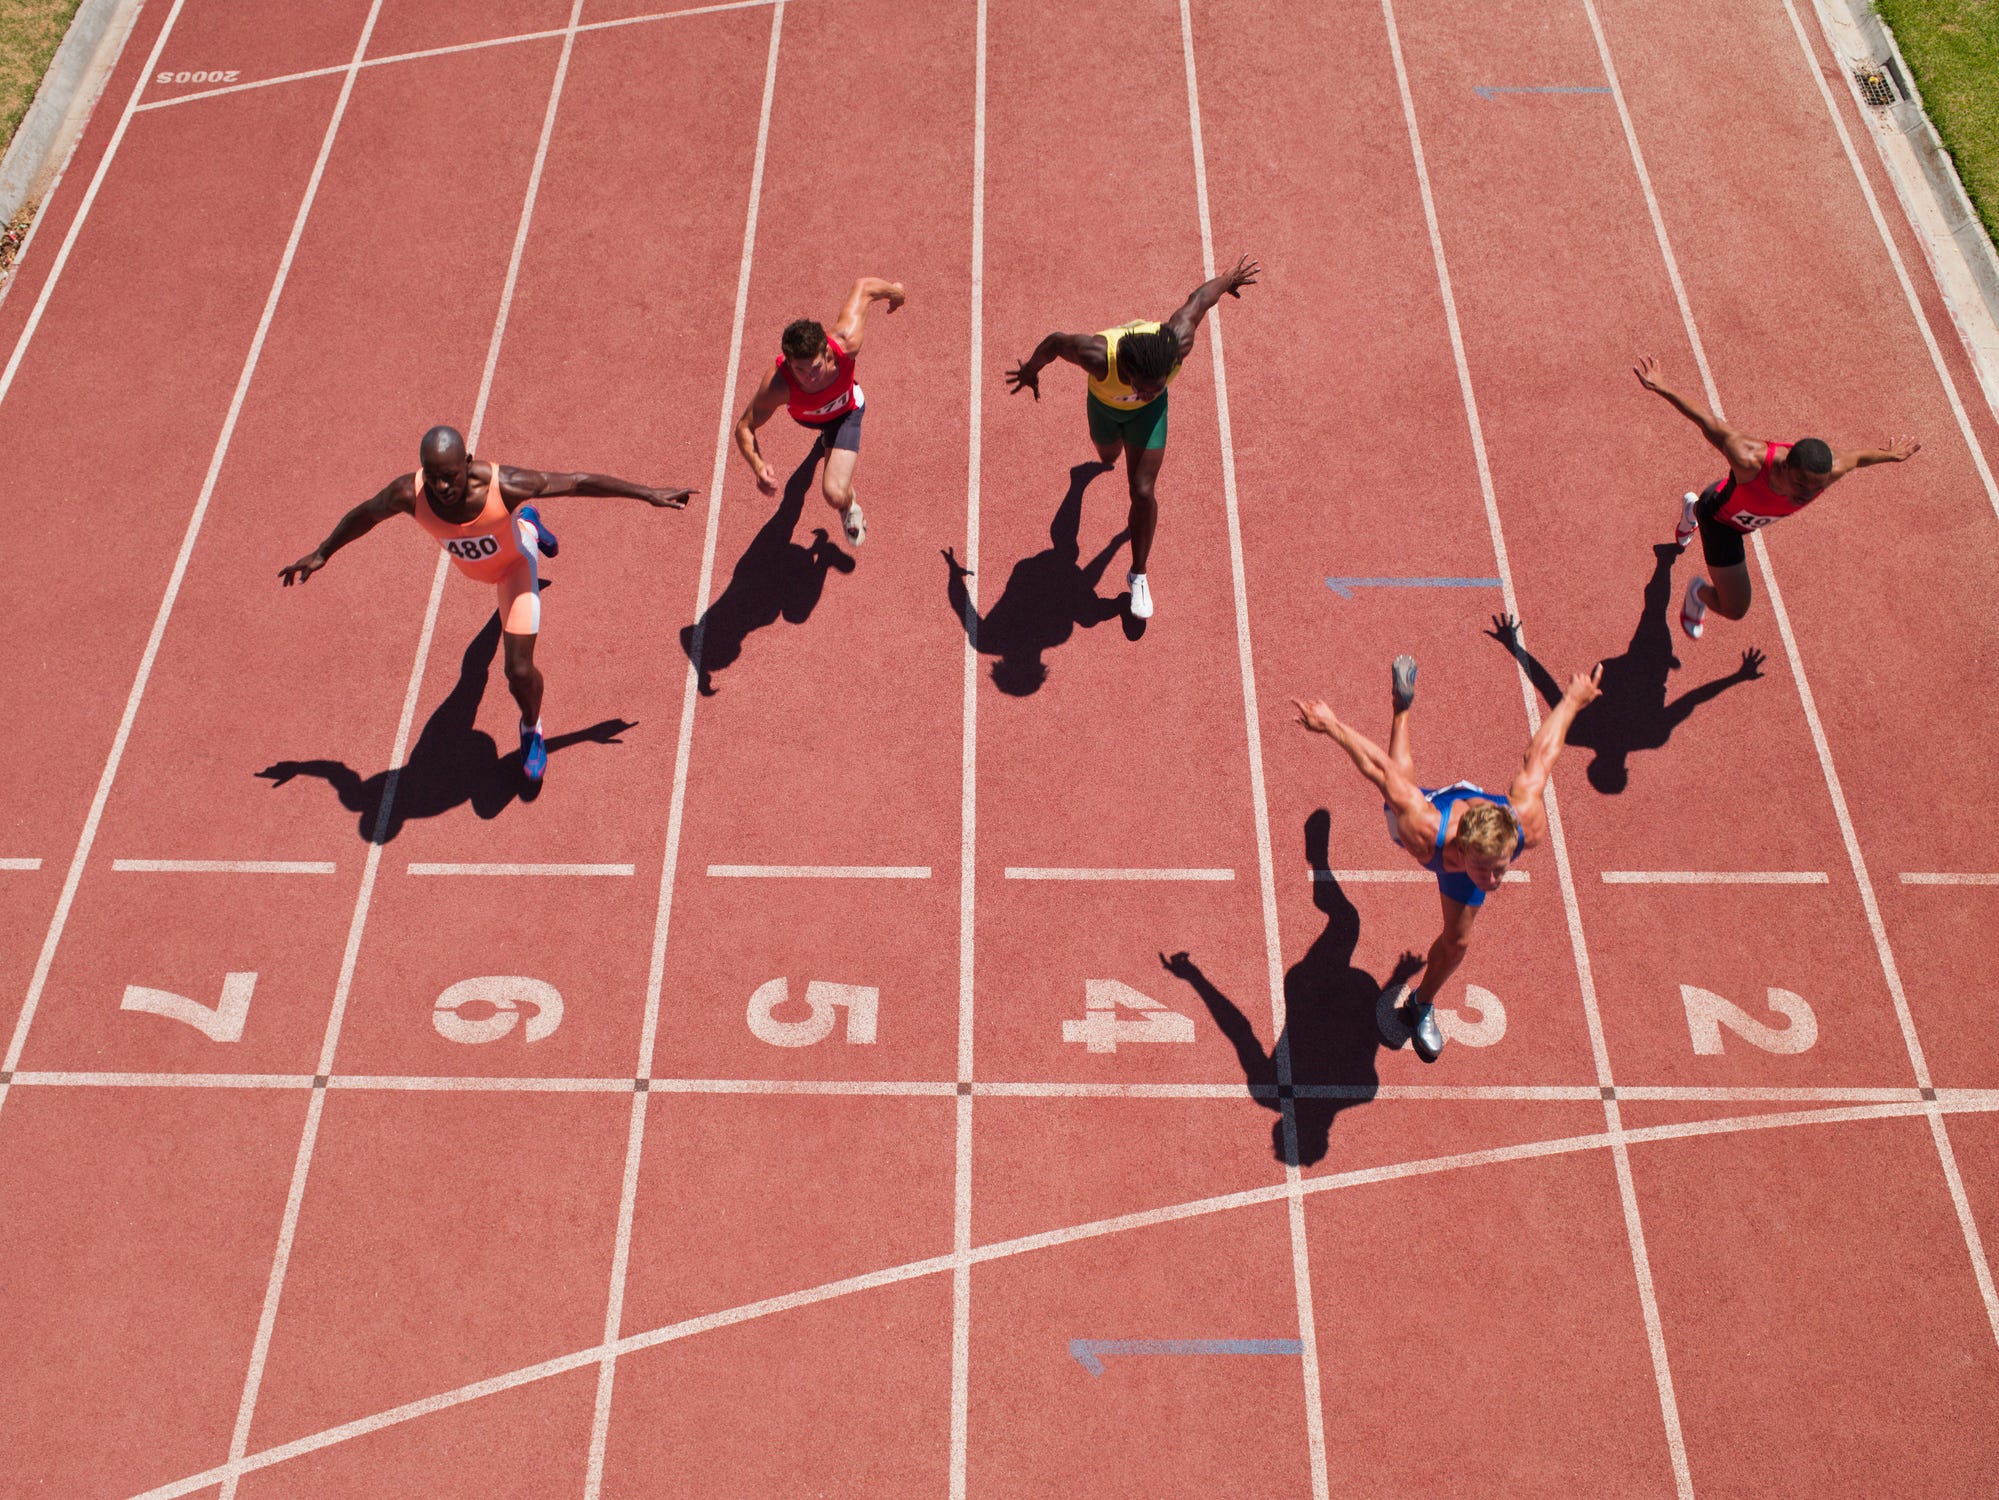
(1344, 587)
(1089, 1353)
(1487, 90)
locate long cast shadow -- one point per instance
(1046, 596)
(1329, 1017)
(451, 764)
(774, 579)
(1633, 714)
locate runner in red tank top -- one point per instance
(813, 379)
(1766, 481)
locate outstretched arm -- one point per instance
(1544, 749)
(852, 326)
(397, 497)
(1205, 296)
(1415, 818)
(1085, 350)
(765, 404)
(1744, 453)
(518, 486)
(1898, 449)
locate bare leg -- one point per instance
(836, 483)
(1398, 743)
(1729, 593)
(523, 676)
(1142, 468)
(1449, 949)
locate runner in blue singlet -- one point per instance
(1463, 834)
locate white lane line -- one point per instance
(1974, 1244)
(1003, 1250)
(968, 770)
(1301, 1264)
(450, 1085)
(1915, 878)
(165, 1080)
(1715, 877)
(112, 761)
(20, 864)
(363, 900)
(820, 872)
(872, 1088)
(1817, 70)
(479, 46)
(1634, 1228)
(225, 866)
(614, 1304)
(1402, 877)
(1045, 872)
(83, 209)
(479, 869)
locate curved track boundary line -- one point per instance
(1023, 1245)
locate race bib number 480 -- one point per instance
(472, 548)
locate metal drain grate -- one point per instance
(1875, 87)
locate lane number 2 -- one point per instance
(1708, 1012)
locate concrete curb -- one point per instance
(76, 76)
(1959, 252)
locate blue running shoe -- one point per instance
(544, 539)
(534, 754)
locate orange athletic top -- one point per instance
(487, 547)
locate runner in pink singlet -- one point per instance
(476, 511)
(1766, 481)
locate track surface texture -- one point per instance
(1698, 1199)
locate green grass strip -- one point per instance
(30, 32)
(1952, 47)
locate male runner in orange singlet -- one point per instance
(814, 379)
(473, 507)
(1766, 482)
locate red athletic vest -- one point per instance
(830, 402)
(1750, 506)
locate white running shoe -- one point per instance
(855, 523)
(1141, 596)
(1689, 522)
(1692, 611)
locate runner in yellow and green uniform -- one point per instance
(1129, 368)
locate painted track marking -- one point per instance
(1040, 872)
(1947, 879)
(20, 864)
(1715, 877)
(820, 872)
(1301, 1264)
(614, 1305)
(225, 866)
(1891, 973)
(1627, 1191)
(1403, 877)
(1028, 1244)
(483, 869)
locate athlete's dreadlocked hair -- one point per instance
(1487, 830)
(1148, 356)
(803, 339)
(1812, 455)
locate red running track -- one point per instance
(346, 1253)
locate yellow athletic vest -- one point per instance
(1112, 390)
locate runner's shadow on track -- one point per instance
(774, 579)
(1329, 1008)
(452, 763)
(1046, 596)
(1633, 714)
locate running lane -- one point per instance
(1540, 190)
(362, 351)
(1109, 748)
(1808, 331)
(828, 736)
(1355, 461)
